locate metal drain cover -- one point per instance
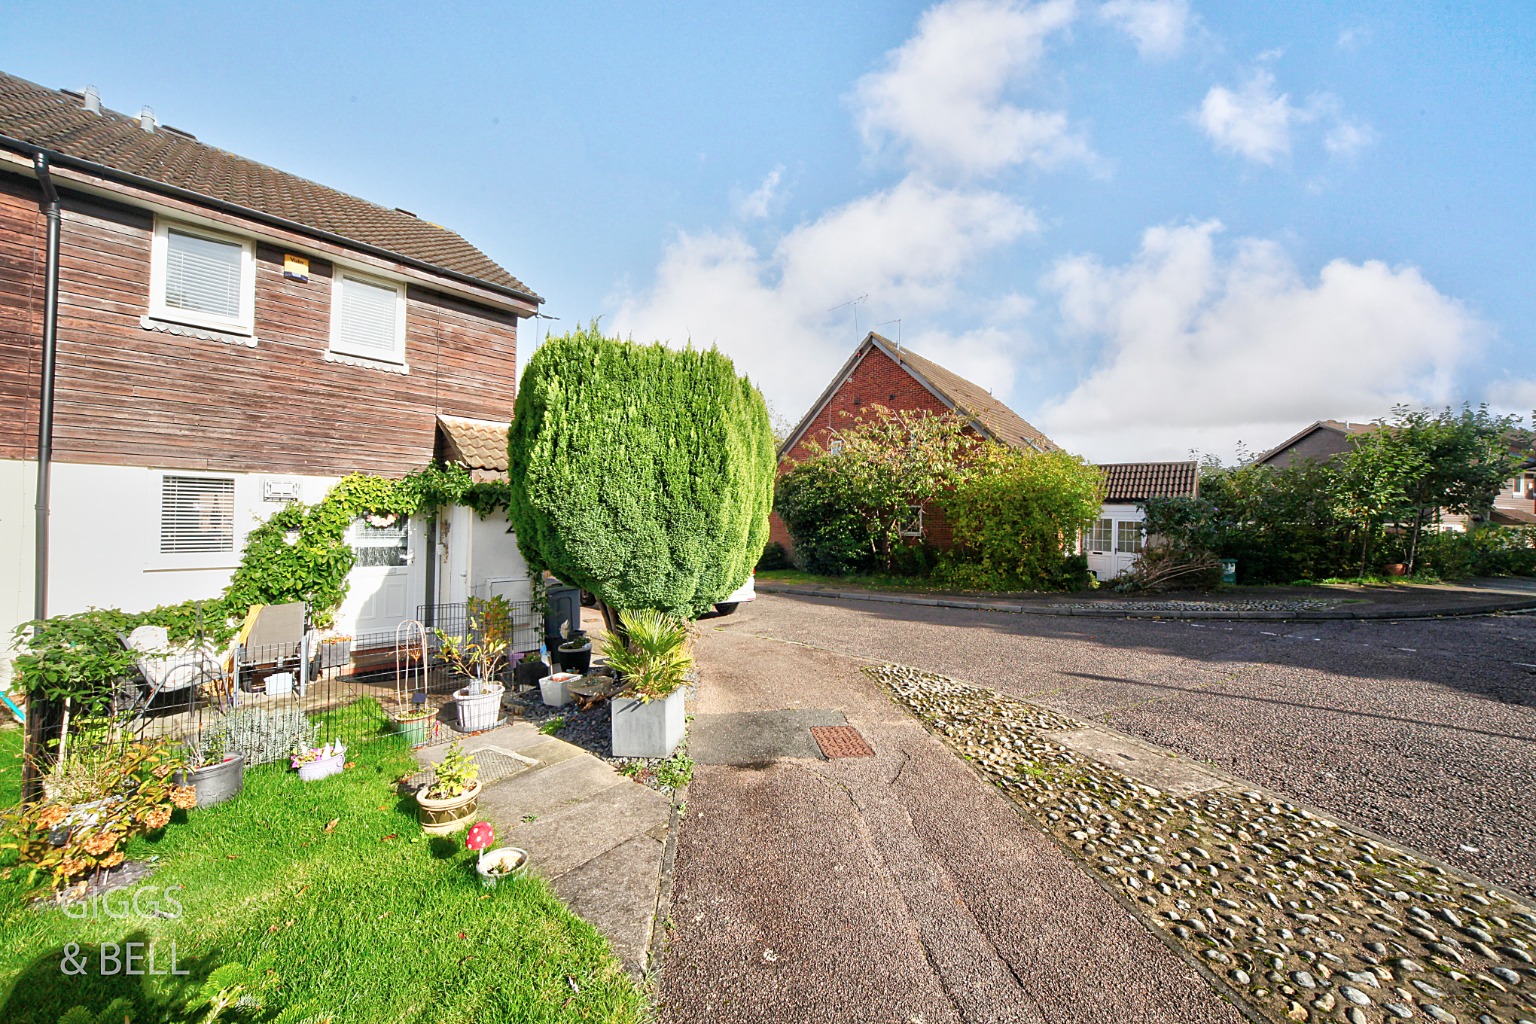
(495, 764)
(841, 741)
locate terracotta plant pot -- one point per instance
(441, 817)
(1396, 569)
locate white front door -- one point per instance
(387, 581)
(1101, 548)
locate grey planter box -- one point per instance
(647, 729)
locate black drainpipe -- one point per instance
(45, 392)
(44, 716)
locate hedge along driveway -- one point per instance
(332, 886)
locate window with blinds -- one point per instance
(366, 319)
(202, 274)
(202, 279)
(197, 515)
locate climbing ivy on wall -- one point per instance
(73, 655)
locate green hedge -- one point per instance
(640, 473)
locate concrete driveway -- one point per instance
(1423, 731)
(894, 888)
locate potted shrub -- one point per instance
(653, 662)
(316, 763)
(481, 654)
(214, 774)
(415, 721)
(447, 803)
(494, 865)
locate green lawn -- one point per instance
(330, 892)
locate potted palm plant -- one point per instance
(481, 653)
(447, 803)
(653, 661)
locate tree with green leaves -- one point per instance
(1410, 470)
(852, 505)
(640, 473)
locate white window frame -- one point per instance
(160, 247)
(171, 560)
(341, 348)
(913, 527)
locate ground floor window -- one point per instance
(197, 514)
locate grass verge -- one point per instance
(331, 894)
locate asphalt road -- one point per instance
(899, 887)
(1423, 731)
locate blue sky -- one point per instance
(1149, 225)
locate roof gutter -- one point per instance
(151, 185)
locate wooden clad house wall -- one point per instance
(22, 232)
(131, 396)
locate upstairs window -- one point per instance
(197, 515)
(202, 278)
(367, 318)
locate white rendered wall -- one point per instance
(18, 484)
(104, 548)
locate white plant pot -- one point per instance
(556, 689)
(647, 728)
(502, 862)
(480, 711)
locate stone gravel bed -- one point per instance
(591, 731)
(1275, 605)
(1297, 916)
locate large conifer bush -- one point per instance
(640, 473)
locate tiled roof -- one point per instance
(57, 121)
(479, 444)
(1001, 422)
(1343, 428)
(1137, 481)
(1513, 517)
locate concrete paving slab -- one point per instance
(756, 737)
(1141, 761)
(567, 839)
(597, 836)
(548, 790)
(616, 891)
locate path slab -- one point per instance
(1141, 761)
(595, 835)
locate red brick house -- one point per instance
(881, 372)
(188, 339)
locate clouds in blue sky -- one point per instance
(1196, 340)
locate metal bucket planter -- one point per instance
(215, 783)
(505, 862)
(416, 726)
(441, 817)
(478, 712)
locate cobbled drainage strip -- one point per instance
(1303, 918)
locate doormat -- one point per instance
(840, 741)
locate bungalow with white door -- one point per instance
(1117, 538)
